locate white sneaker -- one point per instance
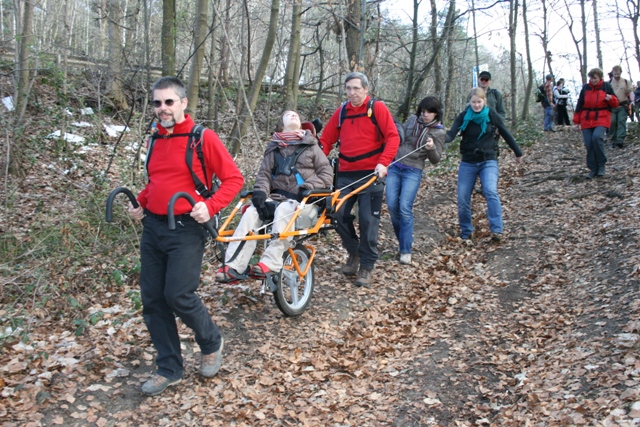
(405, 259)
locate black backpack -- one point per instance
(370, 113)
(195, 142)
(540, 93)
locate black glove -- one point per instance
(300, 195)
(258, 199)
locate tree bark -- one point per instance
(199, 35)
(292, 73)
(527, 47)
(115, 90)
(168, 37)
(513, 22)
(596, 25)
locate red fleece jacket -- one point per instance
(592, 109)
(169, 174)
(359, 136)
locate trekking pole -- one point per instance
(113, 195)
(171, 219)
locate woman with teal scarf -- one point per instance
(478, 125)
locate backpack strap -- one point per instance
(287, 165)
(195, 141)
(370, 113)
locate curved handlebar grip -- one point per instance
(171, 218)
(112, 196)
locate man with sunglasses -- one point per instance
(494, 97)
(171, 261)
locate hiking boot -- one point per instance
(352, 265)
(405, 259)
(364, 277)
(592, 175)
(210, 363)
(157, 384)
(496, 237)
(620, 143)
(600, 171)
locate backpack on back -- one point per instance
(540, 93)
(195, 142)
(370, 113)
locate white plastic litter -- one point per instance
(86, 111)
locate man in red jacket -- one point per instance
(172, 260)
(365, 149)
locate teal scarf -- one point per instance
(481, 119)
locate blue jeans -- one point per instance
(169, 277)
(548, 118)
(402, 188)
(467, 174)
(594, 143)
(369, 206)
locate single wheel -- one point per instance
(292, 295)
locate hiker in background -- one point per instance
(366, 148)
(561, 95)
(593, 116)
(548, 104)
(171, 260)
(479, 151)
(636, 95)
(623, 89)
(293, 163)
(494, 97)
(424, 139)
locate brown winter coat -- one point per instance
(312, 164)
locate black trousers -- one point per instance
(170, 275)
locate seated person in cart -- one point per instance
(293, 163)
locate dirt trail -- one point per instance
(540, 329)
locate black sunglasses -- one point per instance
(167, 102)
(482, 79)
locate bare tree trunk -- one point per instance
(239, 130)
(15, 153)
(446, 98)
(212, 110)
(475, 34)
(224, 48)
(437, 68)
(597, 30)
(513, 23)
(292, 73)
(584, 42)
(411, 94)
(353, 33)
(115, 90)
(199, 35)
(527, 93)
(168, 37)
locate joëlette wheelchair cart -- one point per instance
(293, 286)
